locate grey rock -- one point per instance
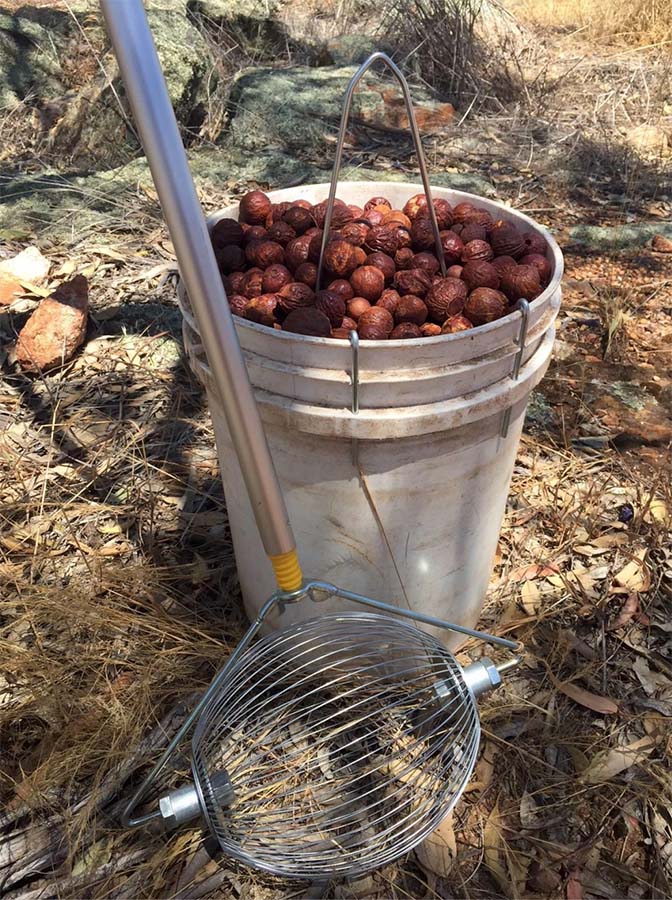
(618, 237)
(298, 109)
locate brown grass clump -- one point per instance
(642, 21)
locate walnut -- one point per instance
(427, 262)
(540, 263)
(506, 240)
(410, 309)
(485, 305)
(389, 299)
(445, 298)
(299, 219)
(413, 281)
(295, 295)
(281, 233)
(339, 258)
(375, 324)
(262, 309)
(251, 284)
(480, 273)
(254, 208)
(332, 305)
(307, 273)
(382, 237)
(477, 250)
(275, 277)
(368, 282)
(343, 287)
(405, 331)
(296, 252)
(264, 253)
(521, 282)
(309, 321)
(383, 262)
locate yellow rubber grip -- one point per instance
(287, 571)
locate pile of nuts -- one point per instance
(381, 277)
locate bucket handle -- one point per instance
(524, 307)
(396, 71)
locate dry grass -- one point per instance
(642, 21)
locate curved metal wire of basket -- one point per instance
(346, 740)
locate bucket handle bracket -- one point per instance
(524, 307)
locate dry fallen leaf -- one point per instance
(597, 703)
(629, 611)
(574, 885)
(438, 851)
(527, 573)
(492, 845)
(635, 576)
(609, 763)
(530, 597)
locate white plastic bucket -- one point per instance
(421, 529)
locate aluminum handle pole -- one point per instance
(139, 65)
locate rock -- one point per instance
(628, 412)
(661, 244)
(649, 139)
(28, 265)
(232, 10)
(617, 237)
(50, 61)
(10, 289)
(299, 109)
(349, 49)
(56, 329)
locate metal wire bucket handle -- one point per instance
(354, 81)
(278, 599)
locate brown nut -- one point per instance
(540, 263)
(472, 231)
(339, 258)
(307, 273)
(410, 309)
(296, 252)
(479, 216)
(444, 213)
(415, 206)
(396, 217)
(349, 323)
(405, 331)
(485, 305)
(422, 234)
(277, 211)
(237, 304)
(262, 309)
(452, 245)
(298, 218)
(359, 255)
(230, 258)
(427, 262)
(341, 214)
(506, 240)
(254, 208)
(356, 306)
(462, 211)
(254, 233)
(341, 334)
(295, 295)
(454, 271)
(383, 262)
(251, 284)
(281, 233)
(384, 238)
(373, 217)
(534, 243)
(403, 236)
(389, 299)
(413, 281)
(479, 273)
(403, 258)
(332, 305)
(375, 324)
(308, 321)
(357, 211)
(355, 233)
(376, 202)
(368, 282)
(477, 250)
(521, 282)
(343, 287)
(226, 232)
(275, 278)
(264, 253)
(455, 324)
(503, 262)
(234, 283)
(304, 204)
(430, 329)
(445, 298)
(315, 245)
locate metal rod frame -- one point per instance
(524, 307)
(345, 115)
(139, 65)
